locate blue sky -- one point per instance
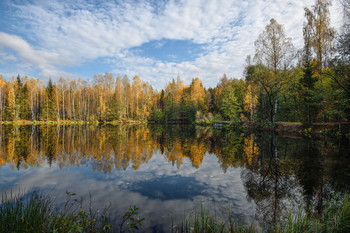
(157, 40)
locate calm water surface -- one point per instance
(166, 171)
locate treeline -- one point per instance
(280, 84)
(106, 98)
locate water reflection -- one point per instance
(117, 147)
(292, 172)
(166, 170)
(102, 148)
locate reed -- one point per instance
(335, 218)
(37, 214)
(205, 222)
(31, 215)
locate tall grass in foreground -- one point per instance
(37, 214)
(204, 222)
(335, 218)
(33, 215)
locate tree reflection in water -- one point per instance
(279, 173)
(289, 173)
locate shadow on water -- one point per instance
(185, 165)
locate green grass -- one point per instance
(335, 218)
(36, 213)
(17, 215)
(205, 222)
(33, 215)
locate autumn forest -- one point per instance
(265, 152)
(280, 83)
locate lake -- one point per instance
(166, 171)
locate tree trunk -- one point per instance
(58, 107)
(63, 115)
(252, 114)
(275, 108)
(32, 106)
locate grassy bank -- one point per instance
(37, 214)
(70, 122)
(65, 122)
(335, 218)
(204, 222)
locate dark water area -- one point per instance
(260, 178)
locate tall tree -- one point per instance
(344, 36)
(162, 100)
(275, 51)
(197, 94)
(2, 97)
(251, 98)
(19, 97)
(137, 94)
(127, 94)
(321, 41)
(339, 70)
(175, 88)
(308, 77)
(49, 106)
(229, 104)
(321, 34)
(119, 99)
(11, 102)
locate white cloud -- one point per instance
(218, 190)
(66, 34)
(7, 57)
(44, 60)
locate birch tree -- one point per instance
(274, 50)
(321, 34)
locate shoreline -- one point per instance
(70, 122)
(290, 128)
